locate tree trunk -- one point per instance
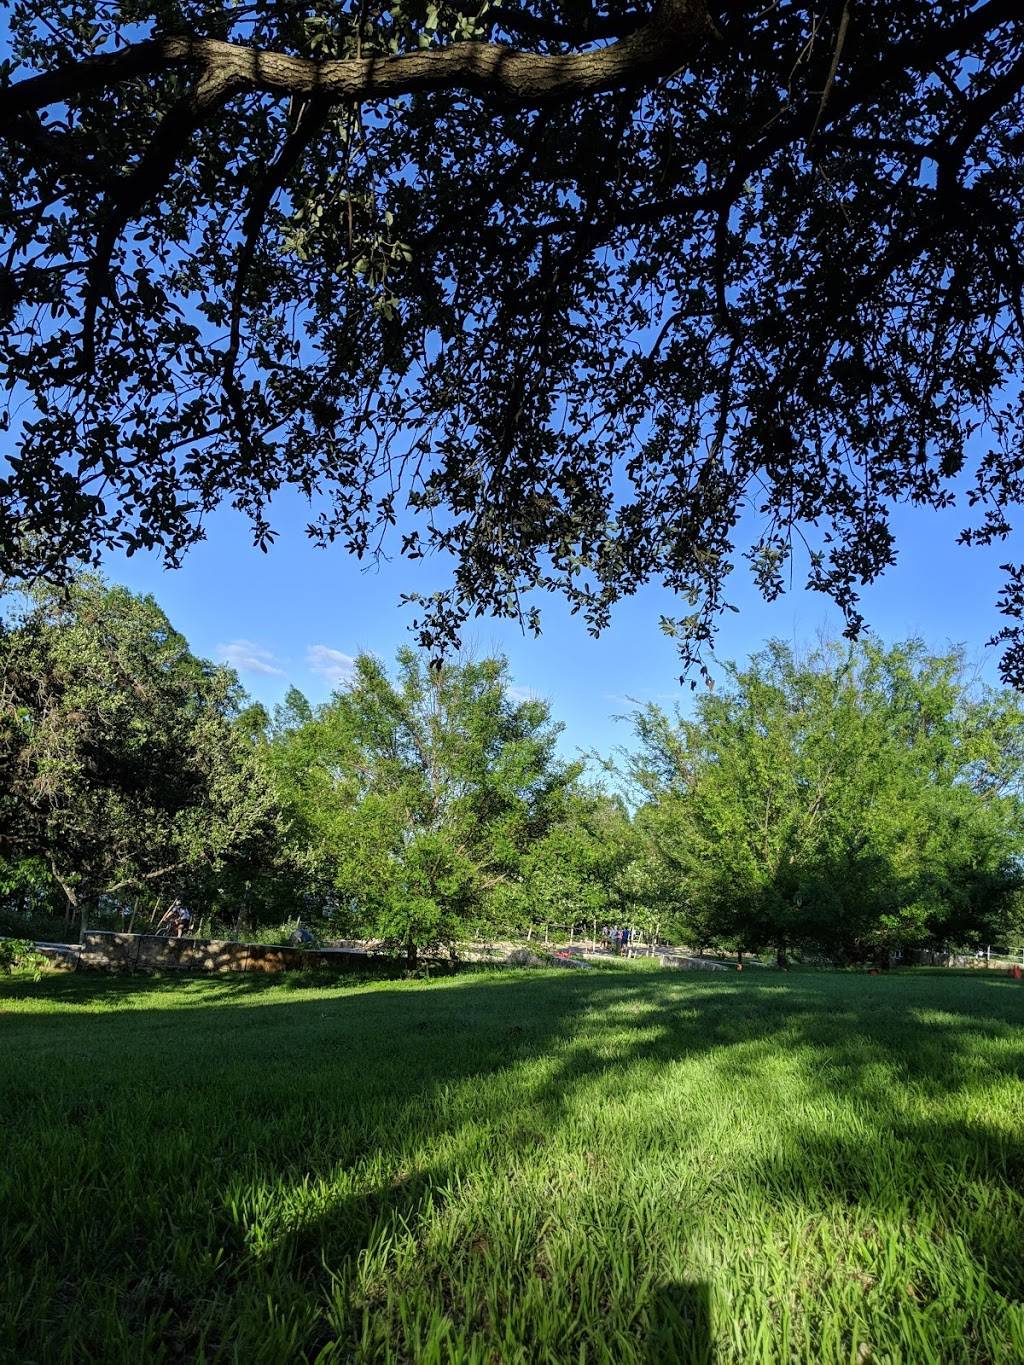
(410, 955)
(72, 905)
(781, 960)
(739, 959)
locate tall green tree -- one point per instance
(857, 798)
(123, 761)
(421, 793)
(580, 870)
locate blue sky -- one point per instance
(298, 615)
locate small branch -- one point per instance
(137, 189)
(146, 877)
(844, 24)
(593, 28)
(310, 122)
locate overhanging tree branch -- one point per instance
(671, 36)
(310, 122)
(137, 189)
(527, 233)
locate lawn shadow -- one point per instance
(859, 1036)
(281, 1091)
(680, 1328)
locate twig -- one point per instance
(844, 24)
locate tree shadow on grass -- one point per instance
(680, 1325)
(233, 1132)
(858, 1036)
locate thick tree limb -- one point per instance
(977, 24)
(659, 47)
(978, 114)
(146, 876)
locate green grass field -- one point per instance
(619, 1165)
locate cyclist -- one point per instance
(177, 919)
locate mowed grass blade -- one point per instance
(609, 1166)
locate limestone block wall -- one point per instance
(110, 952)
(60, 957)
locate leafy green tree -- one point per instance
(20, 954)
(587, 285)
(578, 872)
(858, 799)
(123, 762)
(28, 897)
(421, 794)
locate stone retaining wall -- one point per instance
(102, 951)
(60, 957)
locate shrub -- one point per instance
(20, 953)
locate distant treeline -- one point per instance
(850, 801)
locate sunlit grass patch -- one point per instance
(532, 1166)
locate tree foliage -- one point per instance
(122, 760)
(852, 800)
(580, 285)
(422, 794)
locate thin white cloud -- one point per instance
(248, 657)
(517, 693)
(331, 664)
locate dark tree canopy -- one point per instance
(585, 284)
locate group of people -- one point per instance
(616, 938)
